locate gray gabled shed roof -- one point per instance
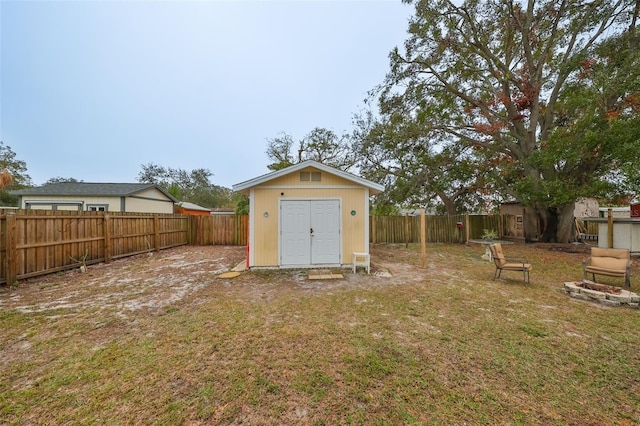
(374, 188)
(91, 189)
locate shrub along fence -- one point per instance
(228, 230)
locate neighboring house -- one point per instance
(108, 197)
(307, 215)
(185, 207)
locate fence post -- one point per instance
(156, 232)
(406, 230)
(610, 227)
(107, 239)
(10, 244)
(423, 237)
(467, 231)
(373, 230)
(192, 225)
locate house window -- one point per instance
(310, 176)
(53, 205)
(97, 207)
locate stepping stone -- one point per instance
(323, 274)
(230, 274)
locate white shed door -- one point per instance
(310, 232)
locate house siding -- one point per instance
(113, 202)
(150, 201)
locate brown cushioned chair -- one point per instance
(506, 264)
(609, 262)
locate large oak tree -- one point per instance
(544, 94)
(401, 154)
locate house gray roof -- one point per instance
(375, 188)
(91, 189)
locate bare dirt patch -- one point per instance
(139, 282)
(176, 276)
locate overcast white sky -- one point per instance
(95, 89)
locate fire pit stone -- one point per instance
(603, 294)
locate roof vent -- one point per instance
(309, 176)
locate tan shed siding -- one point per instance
(265, 229)
(266, 250)
(353, 227)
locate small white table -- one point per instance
(361, 259)
(487, 243)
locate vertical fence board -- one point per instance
(107, 238)
(11, 269)
(3, 249)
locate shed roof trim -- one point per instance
(373, 186)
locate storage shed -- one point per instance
(307, 215)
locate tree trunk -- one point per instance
(449, 203)
(550, 227)
(566, 232)
(558, 224)
(530, 225)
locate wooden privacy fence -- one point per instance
(229, 230)
(234, 229)
(38, 242)
(440, 229)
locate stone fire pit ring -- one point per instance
(603, 294)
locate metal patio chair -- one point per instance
(508, 264)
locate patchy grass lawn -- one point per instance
(162, 340)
